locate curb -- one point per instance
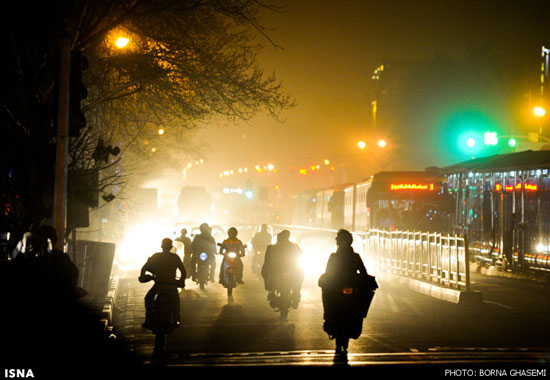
(107, 311)
(461, 297)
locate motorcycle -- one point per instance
(161, 319)
(345, 309)
(230, 272)
(284, 297)
(203, 270)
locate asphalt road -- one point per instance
(511, 326)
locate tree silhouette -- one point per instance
(187, 63)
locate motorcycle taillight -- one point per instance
(347, 290)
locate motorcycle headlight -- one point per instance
(232, 255)
(203, 256)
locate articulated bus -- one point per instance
(502, 203)
(413, 200)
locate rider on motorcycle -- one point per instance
(261, 240)
(204, 242)
(233, 244)
(347, 293)
(163, 265)
(283, 257)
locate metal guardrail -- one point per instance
(430, 257)
(94, 261)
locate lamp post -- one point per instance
(540, 111)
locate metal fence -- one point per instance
(430, 257)
(94, 261)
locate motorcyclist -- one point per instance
(233, 244)
(186, 241)
(344, 315)
(164, 266)
(280, 257)
(204, 242)
(261, 240)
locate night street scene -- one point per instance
(301, 188)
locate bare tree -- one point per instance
(186, 62)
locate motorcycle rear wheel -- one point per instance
(284, 304)
(160, 339)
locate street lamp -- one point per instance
(122, 42)
(382, 143)
(361, 145)
(539, 111)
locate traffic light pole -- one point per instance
(61, 171)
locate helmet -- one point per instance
(284, 235)
(344, 238)
(166, 244)
(205, 228)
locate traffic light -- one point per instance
(248, 193)
(102, 151)
(77, 92)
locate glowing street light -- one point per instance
(382, 143)
(361, 145)
(539, 111)
(122, 42)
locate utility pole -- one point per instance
(61, 171)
